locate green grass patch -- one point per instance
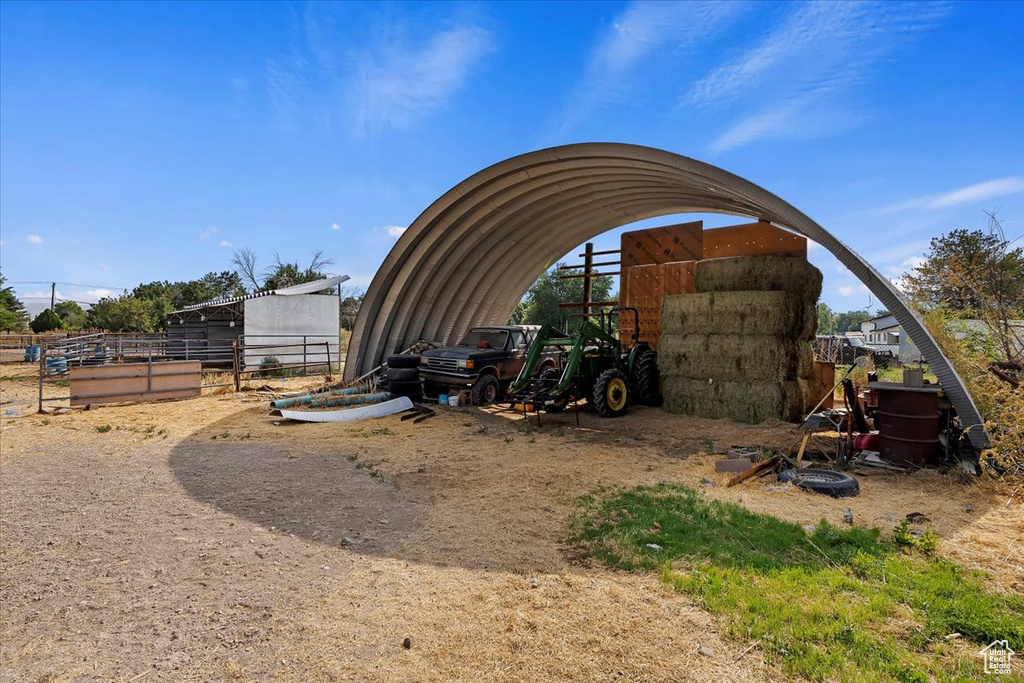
(835, 604)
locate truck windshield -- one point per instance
(495, 338)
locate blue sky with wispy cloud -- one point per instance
(143, 141)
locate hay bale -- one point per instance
(723, 357)
(773, 314)
(750, 402)
(759, 273)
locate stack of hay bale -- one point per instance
(739, 348)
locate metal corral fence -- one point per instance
(223, 363)
(18, 348)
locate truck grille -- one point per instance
(443, 363)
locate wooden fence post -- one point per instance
(235, 365)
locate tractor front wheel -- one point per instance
(611, 393)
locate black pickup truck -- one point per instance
(487, 361)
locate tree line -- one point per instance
(145, 308)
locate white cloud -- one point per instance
(846, 291)
(395, 84)
(989, 189)
(34, 239)
(225, 243)
(95, 295)
(914, 262)
(207, 233)
(395, 230)
(980, 191)
(41, 295)
(335, 226)
(642, 32)
(802, 74)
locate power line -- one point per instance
(68, 284)
(59, 299)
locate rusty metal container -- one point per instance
(908, 423)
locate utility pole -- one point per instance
(53, 295)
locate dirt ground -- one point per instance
(208, 540)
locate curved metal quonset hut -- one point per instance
(469, 258)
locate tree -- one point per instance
(71, 314)
(284, 274)
(351, 300)
(281, 273)
(975, 275)
(826, 319)
(544, 296)
(165, 296)
(245, 264)
(127, 314)
(46, 321)
(968, 271)
(850, 321)
(13, 316)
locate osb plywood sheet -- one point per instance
(752, 239)
(662, 245)
(822, 381)
(135, 382)
(643, 288)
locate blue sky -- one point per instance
(148, 141)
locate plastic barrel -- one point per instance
(32, 353)
(57, 366)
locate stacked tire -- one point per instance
(404, 376)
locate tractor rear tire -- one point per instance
(611, 393)
(645, 379)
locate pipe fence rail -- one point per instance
(223, 362)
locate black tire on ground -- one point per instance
(403, 360)
(403, 374)
(486, 391)
(611, 393)
(405, 388)
(645, 379)
(835, 484)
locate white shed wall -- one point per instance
(313, 317)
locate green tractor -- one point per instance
(593, 366)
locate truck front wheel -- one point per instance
(486, 391)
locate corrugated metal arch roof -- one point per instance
(472, 254)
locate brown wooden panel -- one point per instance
(643, 288)
(662, 245)
(752, 239)
(135, 382)
(822, 381)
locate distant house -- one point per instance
(268, 323)
(883, 330)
